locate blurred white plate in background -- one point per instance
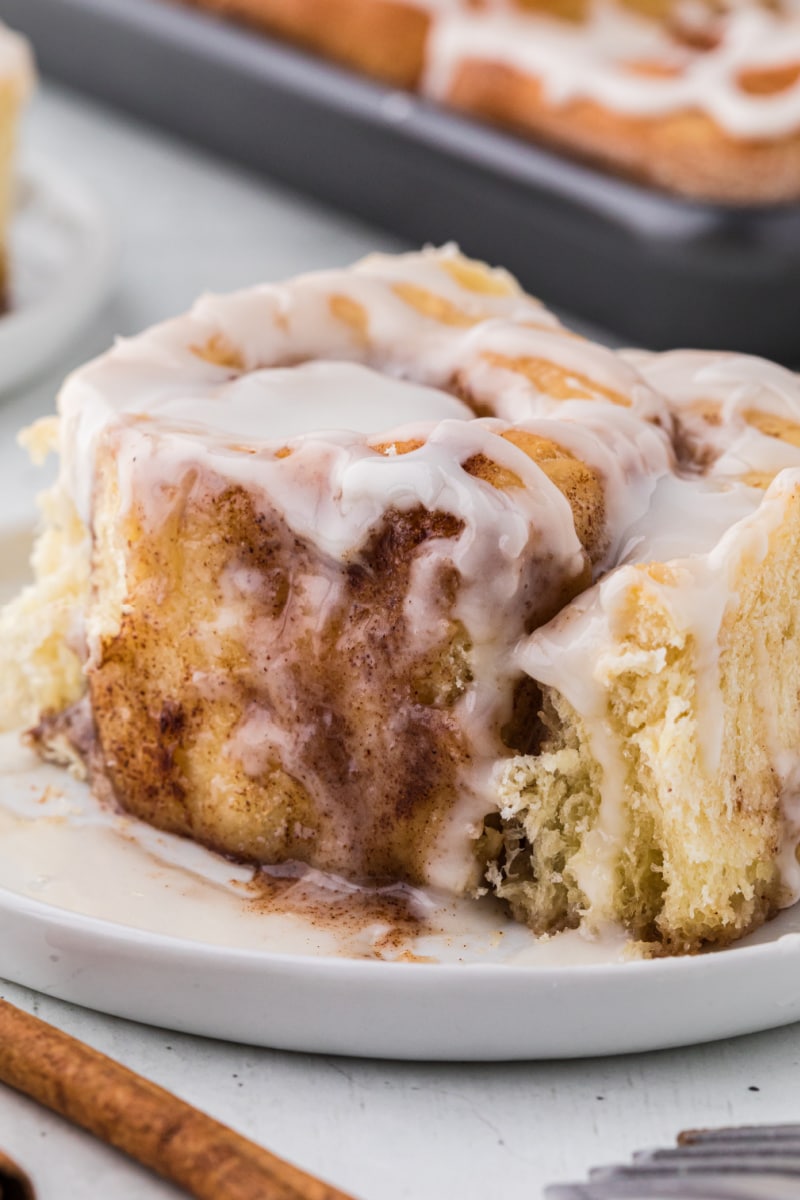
(62, 258)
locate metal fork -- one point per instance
(752, 1162)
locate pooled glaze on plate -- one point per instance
(60, 845)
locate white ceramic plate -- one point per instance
(105, 912)
(61, 262)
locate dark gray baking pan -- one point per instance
(654, 269)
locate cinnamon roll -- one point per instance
(288, 563)
(386, 572)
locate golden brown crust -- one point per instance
(382, 38)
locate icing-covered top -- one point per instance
(737, 416)
(384, 349)
(746, 77)
(423, 382)
(278, 403)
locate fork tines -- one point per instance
(740, 1133)
(750, 1163)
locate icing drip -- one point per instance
(632, 65)
(724, 405)
(222, 370)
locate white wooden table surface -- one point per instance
(384, 1131)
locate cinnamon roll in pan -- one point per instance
(699, 99)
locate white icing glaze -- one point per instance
(281, 403)
(629, 454)
(60, 846)
(158, 384)
(597, 61)
(277, 326)
(685, 517)
(594, 370)
(732, 386)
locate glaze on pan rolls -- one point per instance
(699, 97)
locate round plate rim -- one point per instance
(244, 957)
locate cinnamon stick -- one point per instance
(14, 1183)
(180, 1143)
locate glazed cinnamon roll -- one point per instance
(386, 572)
(294, 561)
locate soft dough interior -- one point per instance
(706, 852)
